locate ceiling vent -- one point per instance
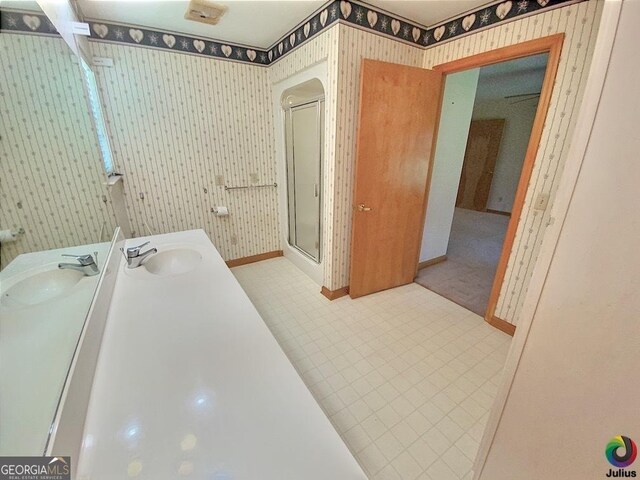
(204, 11)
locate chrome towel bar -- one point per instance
(251, 186)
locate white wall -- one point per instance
(577, 380)
(457, 107)
(515, 138)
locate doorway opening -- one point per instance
(490, 126)
(394, 168)
(304, 140)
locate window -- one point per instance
(98, 118)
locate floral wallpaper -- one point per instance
(321, 47)
(179, 122)
(51, 177)
(354, 13)
(579, 22)
(178, 43)
(182, 127)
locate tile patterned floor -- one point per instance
(406, 376)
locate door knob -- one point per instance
(363, 208)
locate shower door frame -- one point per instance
(319, 101)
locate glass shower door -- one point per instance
(304, 158)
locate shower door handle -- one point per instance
(315, 190)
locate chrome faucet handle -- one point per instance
(84, 260)
(135, 251)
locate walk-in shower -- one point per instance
(304, 137)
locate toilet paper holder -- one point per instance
(220, 211)
(10, 235)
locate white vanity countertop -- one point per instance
(190, 383)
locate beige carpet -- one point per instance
(474, 249)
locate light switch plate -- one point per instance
(253, 177)
(219, 181)
(542, 200)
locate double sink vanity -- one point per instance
(176, 375)
(135, 359)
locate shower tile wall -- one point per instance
(176, 122)
(51, 177)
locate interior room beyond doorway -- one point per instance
(486, 122)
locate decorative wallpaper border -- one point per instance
(320, 21)
(350, 12)
(364, 15)
(131, 34)
(26, 22)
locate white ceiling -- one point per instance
(427, 12)
(258, 23)
(247, 22)
(515, 77)
(21, 5)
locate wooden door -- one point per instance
(483, 145)
(399, 111)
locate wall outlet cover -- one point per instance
(254, 177)
(102, 61)
(542, 200)
(219, 181)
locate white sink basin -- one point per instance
(41, 287)
(173, 262)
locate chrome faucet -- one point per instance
(86, 264)
(135, 258)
